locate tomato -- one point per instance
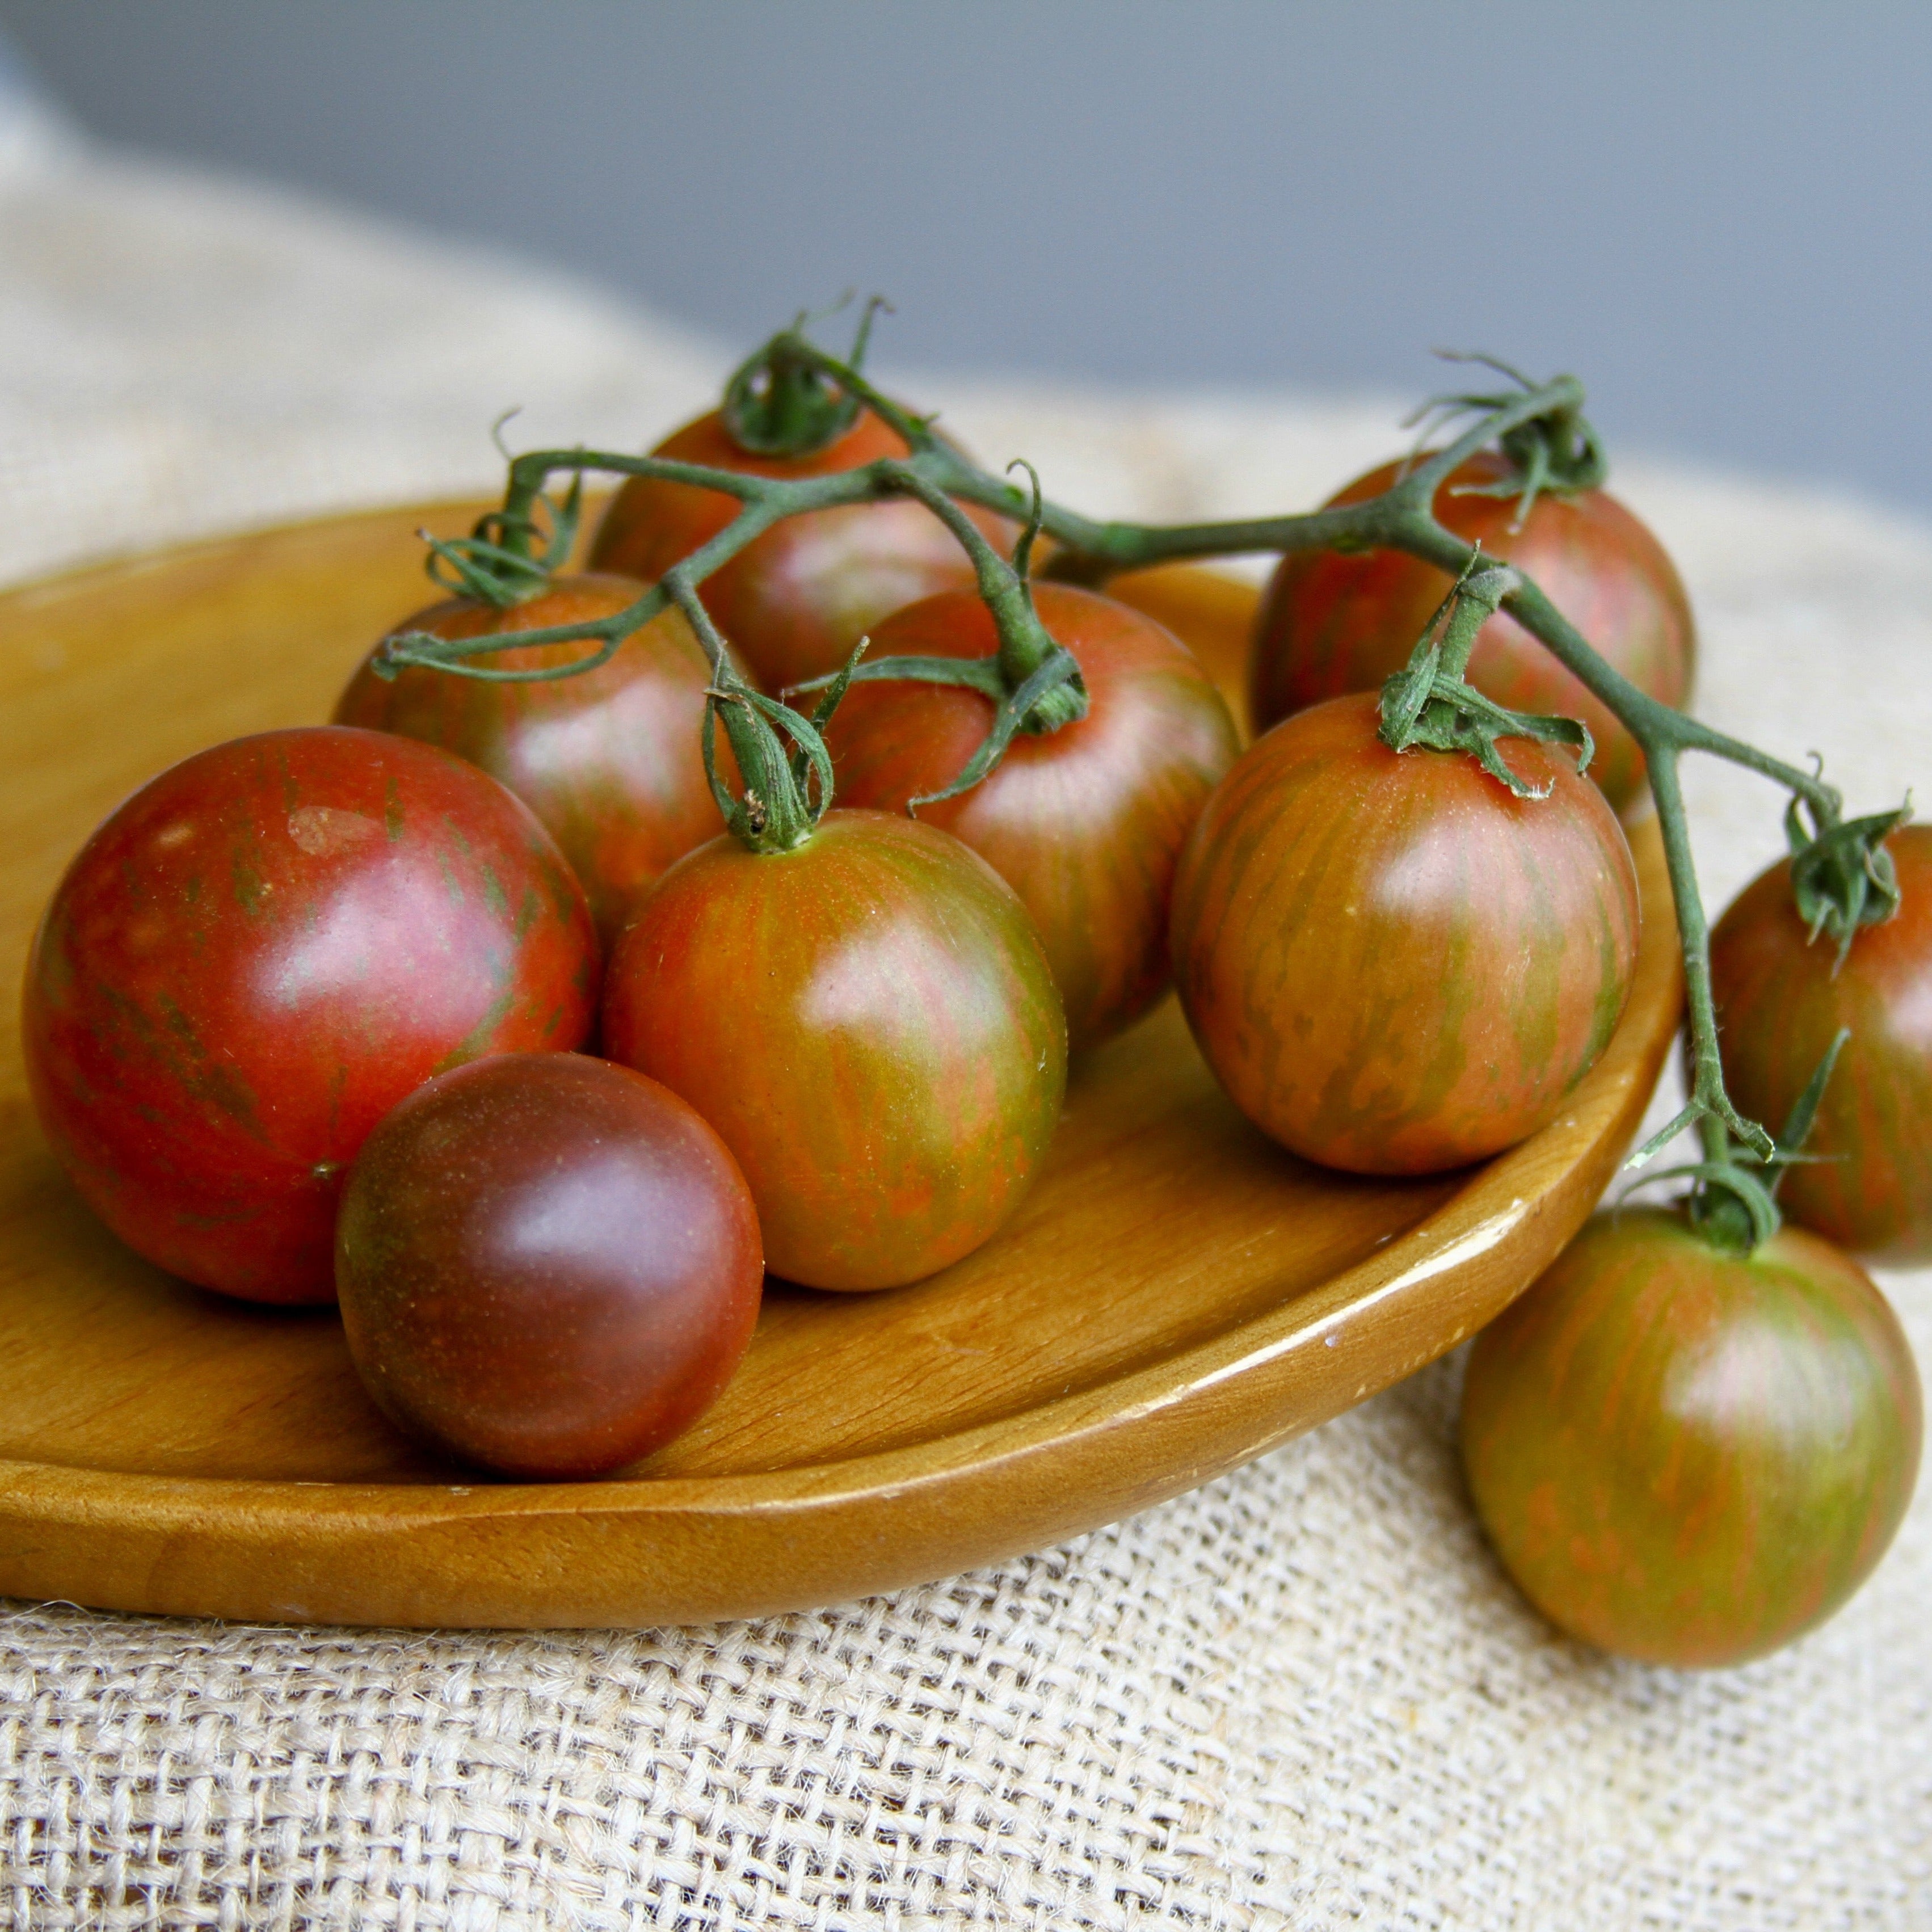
(1781, 999)
(1332, 623)
(1392, 964)
(256, 956)
(1688, 1457)
(608, 760)
(794, 601)
(548, 1264)
(1086, 823)
(869, 1022)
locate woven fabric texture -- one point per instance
(1303, 1696)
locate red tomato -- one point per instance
(1688, 1457)
(257, 956)
(1086, 823)
(1392, 964)
(1781, 1000)
(870, 1023)
(1332, 623)
(609, 761)
(546, 1265)
(795, 600)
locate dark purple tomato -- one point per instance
(1392, 963)
(1688, 1457)
(869, 1022)
(1086, 823)
(1781, 1000)
(1332, 623)
(608, 760)
(548, 1264)
(256, 956)
(794, 601)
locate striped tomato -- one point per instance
(1393, 964)
(609, 759)
(1780, 999)
(869, 1023)
(1688, 1457)
(256, 956)
(794, 601)
(1086, 823)
(1333, 623)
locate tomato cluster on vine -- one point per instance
(464, 1009)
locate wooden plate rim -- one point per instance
(1471, 1255)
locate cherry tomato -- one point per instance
(256, 956)
(1332, 623)
(1392, 964)
(1086, 823)
(609, 759)
(1780, 1000)
(869, 1022)
(548, 1264)
(1687, 1457)
(794, 601)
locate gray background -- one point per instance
(1717, 213)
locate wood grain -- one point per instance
(1177, 1296)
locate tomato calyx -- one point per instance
(1842, 876)
(1033, 682)
(1429, 701)
(1733, 1200)
(786, 792)
(784, 400)
(1557, 450)
(500, 562)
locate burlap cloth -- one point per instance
(1303, 1697)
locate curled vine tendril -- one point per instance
(1558, 450)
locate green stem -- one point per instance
(1710, 1106)
(1026, 646)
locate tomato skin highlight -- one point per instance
(608, 760)
(1392, 965)
(548, 1264)
(1086, 823)
(1779, 1000)
(1689, 1457)
(869, 1022)
(1331, 623)
(794, 601)
(260, 952)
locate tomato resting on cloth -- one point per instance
(1687, 1455)
(256, 956)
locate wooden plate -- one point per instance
(1177, 1296)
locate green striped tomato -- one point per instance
(1780, 999)
(1393, 964)
(254, 958)
(794, 601)
(868, 1022)
(1686, 1457)
(1332, 622)
(608, 760)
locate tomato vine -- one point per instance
(1036, 685)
